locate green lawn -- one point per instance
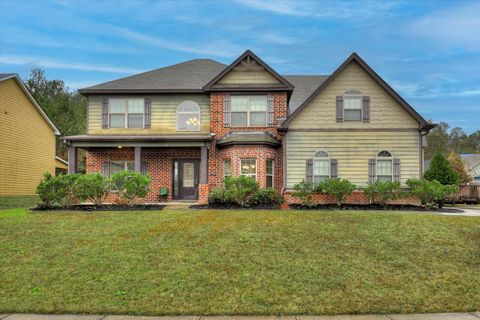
(238, 262)
(9, 202)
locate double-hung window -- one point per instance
(249, 111)
(119, 166)
(126, 113)
(248, 168)
(321, 166)
(384, 166)
(269, 172)
(227, 168)
(352, 107)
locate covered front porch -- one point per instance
(178, 166)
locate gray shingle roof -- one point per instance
(304, 87)
(248, 137)
(471, 160)
(191, 75)
(6, 75)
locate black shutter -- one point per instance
(333, 168)
(366, 109)
(339, 109)
(270, 111)
(372, 170)
(148, 113)
(106, 169)
(396, 169)
(226, 110)
(309, 171)
(105, 113)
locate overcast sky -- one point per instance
(429, 51)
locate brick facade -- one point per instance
(159, 166)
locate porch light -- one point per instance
(119, 147)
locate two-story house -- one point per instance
(192, 124)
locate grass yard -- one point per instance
(238, 262)
(9, 202)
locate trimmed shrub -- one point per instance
(267, 197)
(381, 192)
(241, 190)
(338, 188)
(304, 191)
(431, 193)
(442, 171)
(57, 190)
(93, 187)
(131, 185)
(217, 197)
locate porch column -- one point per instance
(138, 159)
(203, 165)
(72, 159)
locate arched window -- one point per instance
(188, 116)
(352, 106)
(384, 166)
(321, 166)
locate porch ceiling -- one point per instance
(137, 140)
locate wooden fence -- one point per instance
(467, 194)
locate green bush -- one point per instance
(442, 171)
(338, 188)
(93, 187)
(217, 197)
(431, 193)
(241, 190)
(267, 197)
(57, 190)
(131, 185)
(381, 192)
(304, 191)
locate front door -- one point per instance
(186, 178)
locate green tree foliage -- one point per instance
(437, 140)
(241, 190)
(442, 171)
(459, 166)
(93, 187)
(66, 109)
(304, 191)
(57, 190)
(440, 140)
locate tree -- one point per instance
(473, 142)
(442, 171)
(66, 109)
(459, 166)
(437, 140)
(457, 140)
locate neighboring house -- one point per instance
(472, 162)
(27, 139)
(192, 124)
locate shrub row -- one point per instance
(67, 189)
(430, 193)
(243, 192)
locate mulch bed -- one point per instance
(390, 207)
(231, 207)
(103, 207)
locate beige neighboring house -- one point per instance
(27, 139)
(472, 162)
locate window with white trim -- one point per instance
(249, 111)
(352, 106)
(321, 166)
(384, 166)
(227, 168)
(126, 113)
(248, 168)
(188, 116)
(269, 169)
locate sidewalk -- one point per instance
(424, 316)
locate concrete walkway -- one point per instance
(423, 316)
(465, 212)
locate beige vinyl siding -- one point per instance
(384, 111)
(256, 75)
(352, 150)
(164, 108)
(27, 142)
